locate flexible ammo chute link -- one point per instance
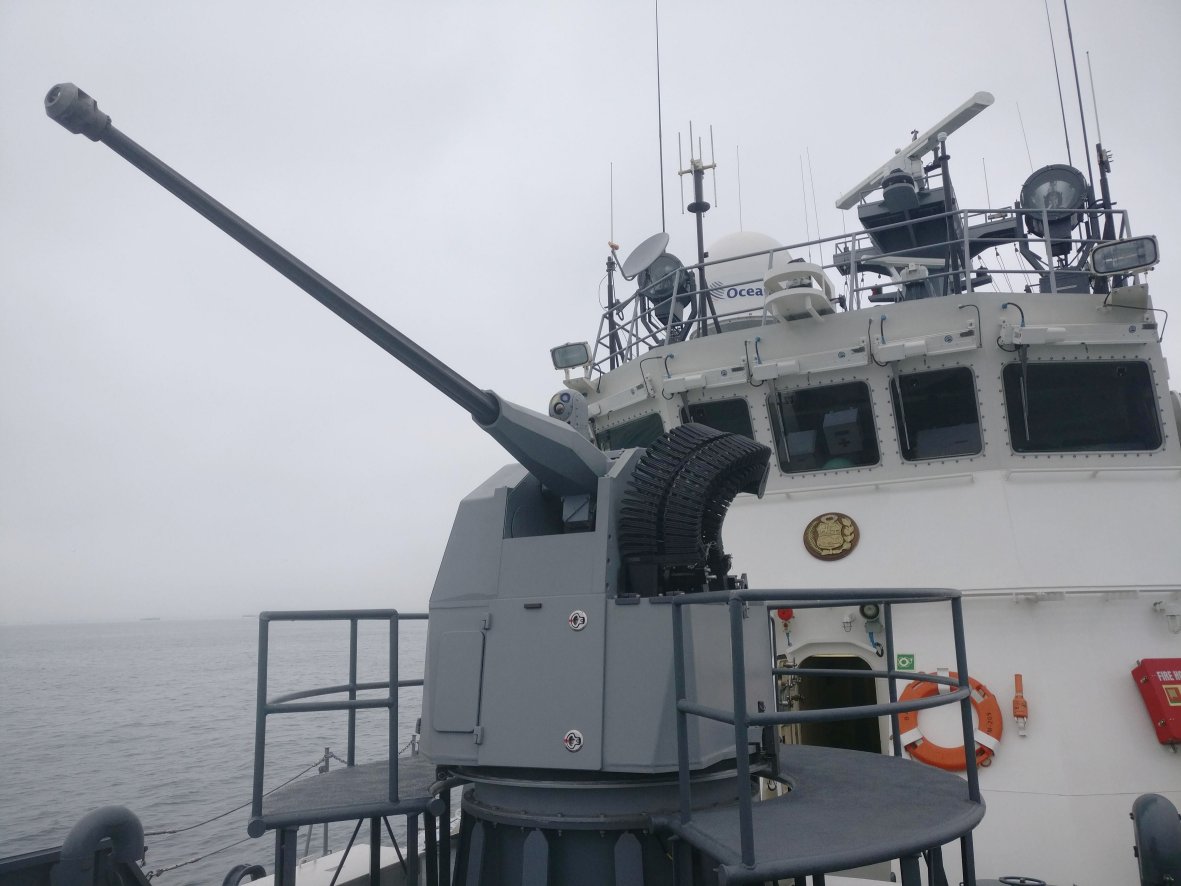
(672, 512)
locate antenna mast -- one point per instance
(697, 168)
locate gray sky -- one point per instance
(185, 434)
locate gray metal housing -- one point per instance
(530, 643)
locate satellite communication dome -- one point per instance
(737, 283)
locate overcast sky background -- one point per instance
(183, 433)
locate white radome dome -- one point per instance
(737, 284)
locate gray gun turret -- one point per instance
(550, 647)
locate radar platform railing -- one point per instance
(292, 702)
(632, 326)
(753, 869)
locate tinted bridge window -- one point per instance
(1104, 406)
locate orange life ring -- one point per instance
(988, 728)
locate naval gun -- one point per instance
(550, 679)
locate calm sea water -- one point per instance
(158, 716)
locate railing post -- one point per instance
(854, 292)
(1049, 250)
(260, 717)
(888, 618)
(352, 749)
(742, 754)
(393, 708)
(682, 717)
(375, 851)
(961, 665)
(286, 847)
(967, 251)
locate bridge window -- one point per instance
(724, 415)
(824, 429)
(1104, 406)
(936, 413)
(639, 432)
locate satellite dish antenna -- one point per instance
(644, 255)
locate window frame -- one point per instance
(688, 418)
(779, 432)
(635, 420)
(1150, 390)
(903, 432)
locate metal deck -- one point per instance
(351, 793)
(844, 809)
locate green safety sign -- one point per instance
(904, 661)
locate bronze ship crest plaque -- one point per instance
(831, 536)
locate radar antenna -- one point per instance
(924, 143)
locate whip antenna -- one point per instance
(815, 211)
(1094, 98)
(1021, 120)
(1079, 92)
(738, 171)
(611, 201)
(713, 162)
(804, 206)
(1058, 77)
(660, 118)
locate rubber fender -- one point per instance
(241, 871)
(115, 823)
(1158, 840)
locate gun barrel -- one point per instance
(79, 113)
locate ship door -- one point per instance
(821, 691)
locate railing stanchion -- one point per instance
(961, 664)
(888, 618)
(741, 728)
(352, 749)
(682, 717)
(393, 707)
(260, 717)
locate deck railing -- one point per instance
(293, 702)
(632, 326)
(743, 720)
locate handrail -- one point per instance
(289, 702)
(742, 720)
(640, 329)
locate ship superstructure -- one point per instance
(940, 419)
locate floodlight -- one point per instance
(571, 354)
(661, 280)
(1056, 195)
(1125, 256)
